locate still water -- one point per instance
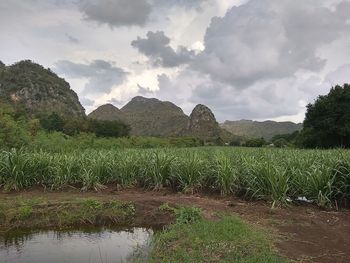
(78, 246)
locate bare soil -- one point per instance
(303, 233)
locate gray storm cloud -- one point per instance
(156, 47)
(116, 13)
(101, 75)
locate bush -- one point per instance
(255, 142)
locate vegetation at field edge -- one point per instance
(41, 213)
(277, 175)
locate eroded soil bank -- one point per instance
(302, 233)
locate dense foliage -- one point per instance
(74, 126)
(284, 140)
(278, 175)
(259, 142)
(327, 121)
(14, 130)
(58, 142)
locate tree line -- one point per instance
(17, 129)
(326, 124)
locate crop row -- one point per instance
(279, 175)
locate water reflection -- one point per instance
(87, 245)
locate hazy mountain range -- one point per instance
(264, 129)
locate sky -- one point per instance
(244, 59)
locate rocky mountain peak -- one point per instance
(203, 123)
(38, 90)
(109, 106)
(107, 112)
(202, 113)
(142, 99)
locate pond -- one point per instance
(86, 245)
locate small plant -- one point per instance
(2, 213)
(93, 204)
(90, 181)
(25, 212)
(13, 170)
(165, 207)
(188, 215)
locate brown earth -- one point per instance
(304, 233)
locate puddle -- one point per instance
(76, 246)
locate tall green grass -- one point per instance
(277, 175)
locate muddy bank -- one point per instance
(303, 233)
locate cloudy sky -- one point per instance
(245, 59)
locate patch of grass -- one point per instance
(93, 204)
(2, 213)
(226, 240)
(19, 213)
(24, 212)
(183, 215)
(167, 208)
(186, 215)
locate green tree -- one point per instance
(327, 121)
(13, 132)
(52, 122)
(75, 126)
(108, 128)
(259, 142)
(280, 143)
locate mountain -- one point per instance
(202, 123)
(107, 112)
(256, 129)
(152, 117)
(38, 90)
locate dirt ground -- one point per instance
(303, 233)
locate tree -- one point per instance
(282, 140)
(12, 131)
(260, 142)
(327, 121)
(75, 126)
(52, 122)
(235, 142)
(108, 128)
(34, 127)
(280, 143)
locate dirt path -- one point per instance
(304, 233)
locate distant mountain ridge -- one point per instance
(37, 90)
(152, 117)
(256, 129)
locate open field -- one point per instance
(277, 175)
